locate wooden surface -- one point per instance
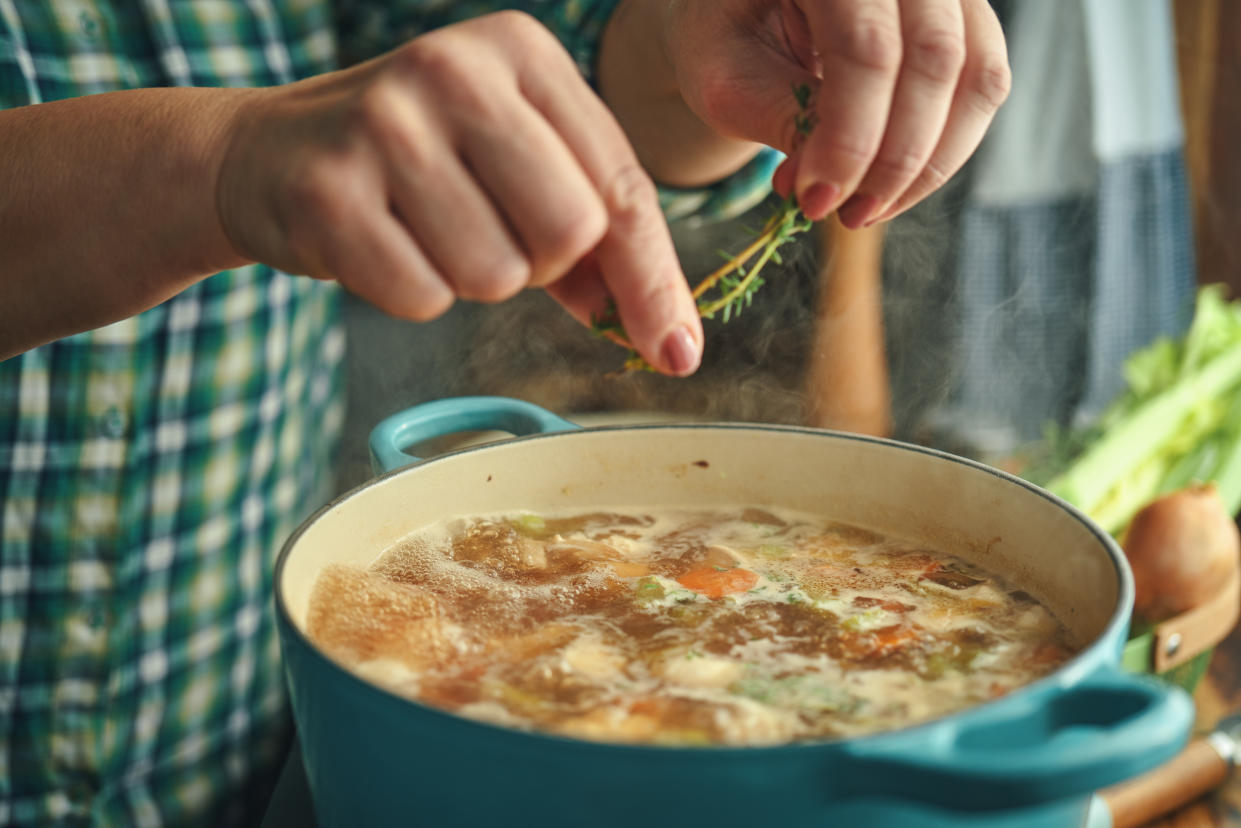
(1218, 695)
(1208, 49)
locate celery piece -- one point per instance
(529, 524)
(1152, 424)
(774, 550)
(1227, 474)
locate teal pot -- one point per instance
(1031, 758)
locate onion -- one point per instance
(1182, 547)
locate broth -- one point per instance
(731, 627)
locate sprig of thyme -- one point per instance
(737, 280)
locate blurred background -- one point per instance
(1107, 190)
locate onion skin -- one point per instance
(1182, 548)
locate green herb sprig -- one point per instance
(730, 289)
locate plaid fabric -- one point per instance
(149, 470)
(1065, 246)
(1051, 298)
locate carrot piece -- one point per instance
(715, 582)
(880, 642)
(1048, 653)
(893, 637)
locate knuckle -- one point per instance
(528, 38)
(463, 87)
(901, 162)
(934, 176)
(565, 244)
(322, 196)
(855, 150)
(522, 25)
(938, 54)
(440, 63)
(430, 57)
(872, 43)
(656, 296)
(902, 165)
(630, 198)
(991, 81)
(373, 113)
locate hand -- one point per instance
(902, 90)
(472, 162)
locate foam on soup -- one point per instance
(733, 627)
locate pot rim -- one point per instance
(1078, 667)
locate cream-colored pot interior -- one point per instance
(995, 520)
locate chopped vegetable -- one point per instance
(714, 582)
(880, 642)
(650, 589)
(1179, 421)
(1181, 547)
(870, 619)
(530, 525)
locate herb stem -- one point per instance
(732, 264)
(735, 293)
(742, 286)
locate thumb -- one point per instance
(772, 104)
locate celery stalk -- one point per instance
(1227, 474)
(1177, 423)
(1136, 438)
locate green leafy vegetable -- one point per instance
(1177, 422)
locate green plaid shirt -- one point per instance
(150, 470)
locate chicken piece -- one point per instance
(697, 670)
(597, 553)
(500, 550)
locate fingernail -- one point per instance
(857, 211)
(818, 200)
(680, 352)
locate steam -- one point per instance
(754, 366)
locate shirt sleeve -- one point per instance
(370, 27)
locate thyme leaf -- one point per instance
(730, 289)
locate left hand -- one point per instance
(902, 90)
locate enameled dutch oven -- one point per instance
(1029, 759)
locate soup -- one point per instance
(733, 627)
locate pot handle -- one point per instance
(444, 417)
(1061, 743)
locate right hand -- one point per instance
(471, 162)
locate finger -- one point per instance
(635, 256)
(374, 257)
(983, 87)
(933, 33)
(582, 292)
(440, 202)
(859, 46)
(539, 188)
(640, 267)
(784, 176)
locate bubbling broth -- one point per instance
(733, 627)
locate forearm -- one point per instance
(638, 82)
(107, 207)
